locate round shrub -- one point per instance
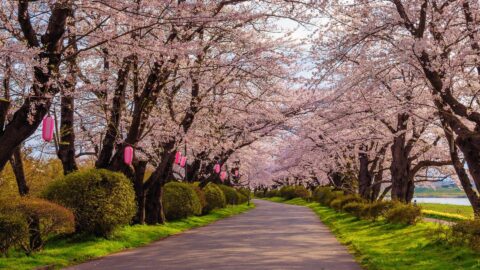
(354, 208)
(241, 198)
(340, 201)
(231, 195)
(272, 193)
(200, 194)
(180, 201)
(291, 192)
(215, 197)
(376, 209)
(466, 233)
(13, 231)
(52, 219)
(101, 200)
(244, 191)
(403, 214)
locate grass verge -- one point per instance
(380, 245)
(447, 211)
(64, 252)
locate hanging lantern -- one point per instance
(236, 173)
(183, 162)
(128, 155)
(47, 128)
(178, 157)
(216, 168)
(223, 176)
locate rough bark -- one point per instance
(66, 146)
(17, 166)
(364, 176)
(24, 122)
(400, 167)
(140, 167)
(118, 104)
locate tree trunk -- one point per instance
(400, 167)
(66, 147)
(462, 174)
(364, 177)
(140, 167)
(17, 166)
(154, 186)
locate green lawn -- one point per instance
(440, 192)
(379, 245)
(63, 252)
(447, 211)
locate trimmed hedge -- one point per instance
(13, 231)
(200, 194)
(340, 201)
(101, 200)
(393, 212)
(18, 214)
(214, 196)
(291, 192)
(231, 195)
(403, 214)
(180, 201)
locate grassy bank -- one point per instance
(378, 245)
(447, 211)
(422, 192)
(64, 252)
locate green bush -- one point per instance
(242, 198)
(355, 208)
(215, 197)
(180, 201)
(466, 233)
(52, 218)
(376, 209)
(13, 230)
(272, 193)
(291, 192)
(259, 194)
(244, 191)
(342, 200)
(231, 195)
(200, 194)
(403, 214)
(101, 200)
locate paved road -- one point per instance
(271, 236)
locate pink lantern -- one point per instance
(216, 168)
(128, 155)
(223, 176)
(183, 162)
(178, 157)
(47, 128)
(236, 173)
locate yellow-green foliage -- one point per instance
(17, 213)
(180, 201)
(100, 199)
(200, 194)
(443, 216)
(13, 230)
(403, 214)
(38, 173)
(355, 208)
(376, 209)
(290, 192)
(231, 195)
(215, 197)
(342, 200)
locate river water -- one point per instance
(456, 201)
